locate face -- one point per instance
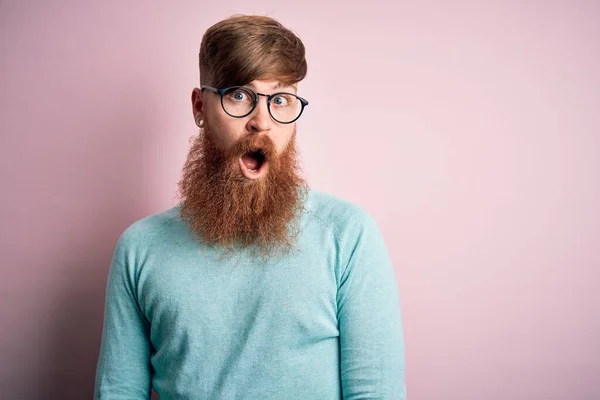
(241, 183)
(227, 131)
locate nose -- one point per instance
(260, 120)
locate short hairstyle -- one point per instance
(243, 48)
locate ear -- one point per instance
(197, 105)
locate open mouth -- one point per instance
(253, 164)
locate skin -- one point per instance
(228, 130)
(221, 206)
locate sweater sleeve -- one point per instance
(371, 336)
(123, 370)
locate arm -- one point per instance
(123, 371)
(371, 337)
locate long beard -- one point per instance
(223, 208)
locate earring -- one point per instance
(200, 122)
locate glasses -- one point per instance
(240, 101)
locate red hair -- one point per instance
(243, 48)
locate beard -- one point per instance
(222, 208)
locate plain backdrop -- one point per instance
(469, 129)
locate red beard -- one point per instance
(223, 208)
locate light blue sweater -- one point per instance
(322, 323)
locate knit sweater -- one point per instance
(322, 322)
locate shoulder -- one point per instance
(355, 232)
(337, 214)
(148, 231)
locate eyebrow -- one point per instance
(279, 85)
(282, 84)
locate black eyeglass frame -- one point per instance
(222, 91)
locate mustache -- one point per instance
(252, 143)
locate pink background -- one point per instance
(470, 131)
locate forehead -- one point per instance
(271, 85)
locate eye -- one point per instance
(281, 100)
(239, 95)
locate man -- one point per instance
(254, 286)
